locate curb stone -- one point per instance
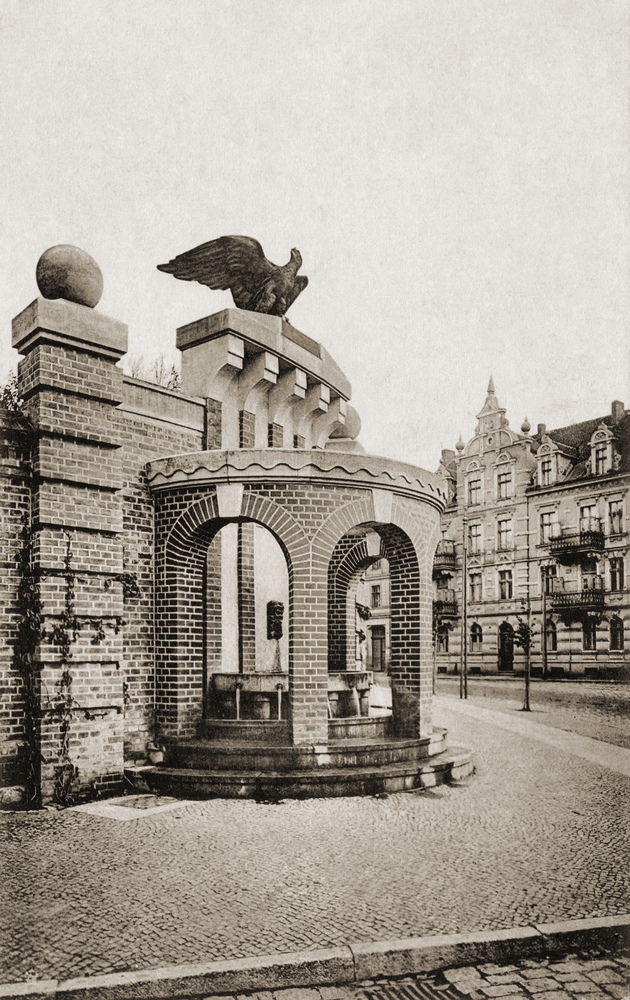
(347, 965)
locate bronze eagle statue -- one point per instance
(239, 263)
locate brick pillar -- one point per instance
(213, 612)
(71, 387)
(247, 429)
(275, 438)
(246, 600)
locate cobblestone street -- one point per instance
(537, 834)
(575, 977)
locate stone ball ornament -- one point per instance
(66, 272)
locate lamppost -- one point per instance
(463, 674)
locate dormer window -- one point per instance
(603, 451)
(547, 463)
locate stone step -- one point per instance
(223, 755)
(326, 782)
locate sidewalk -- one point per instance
(538, 836)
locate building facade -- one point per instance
(535, 532)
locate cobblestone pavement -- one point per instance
(601, 711)
(573, 977)
(536, 835)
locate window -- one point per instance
(548, 526)
(504, 480)
(589, 635)
(475, 586)
(600, 459)
(588, 517)
(442, 639)
(474, 491)
(476, 638)
(474, 538)
(615, 516)
(505, 534)
(545, 472)
(442, 582)
(505, 584)
(548, 576)
(616, 574)
(616, 633)
(552, 637)
(376, 596)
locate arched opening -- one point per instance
(246, 590)
(476, 638)
(616, 633)
(217, 578)
(552, 636)
(506, 647)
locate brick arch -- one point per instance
(180, 649)
(349, 558)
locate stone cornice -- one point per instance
(295, 465)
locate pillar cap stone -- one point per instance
(63, 322)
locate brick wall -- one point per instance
(14, 510)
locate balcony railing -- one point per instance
(588, 538)
(446, 604)
(444, 558)
(591, 595)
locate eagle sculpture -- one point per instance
(239, 263)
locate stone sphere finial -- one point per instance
(460, 444)
(526, 426)
(66, 272)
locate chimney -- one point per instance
(542, 429)
(617, 412)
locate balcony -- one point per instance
(568, 544)
(589, 599)
(446, 605)
(444, 559)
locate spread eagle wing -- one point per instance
(300, 283)
(234, 262)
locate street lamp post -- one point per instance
(463, 674)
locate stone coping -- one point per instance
(71, 323)
(296, 465)
(268, 333)
(351, 963)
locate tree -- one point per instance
(157, 369)
(523, 635)
(9, 393)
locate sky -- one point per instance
(455, 174)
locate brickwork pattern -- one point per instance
(14, 509)
(275, 437)
(349, 559)
(214, 432)
(247, 429)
